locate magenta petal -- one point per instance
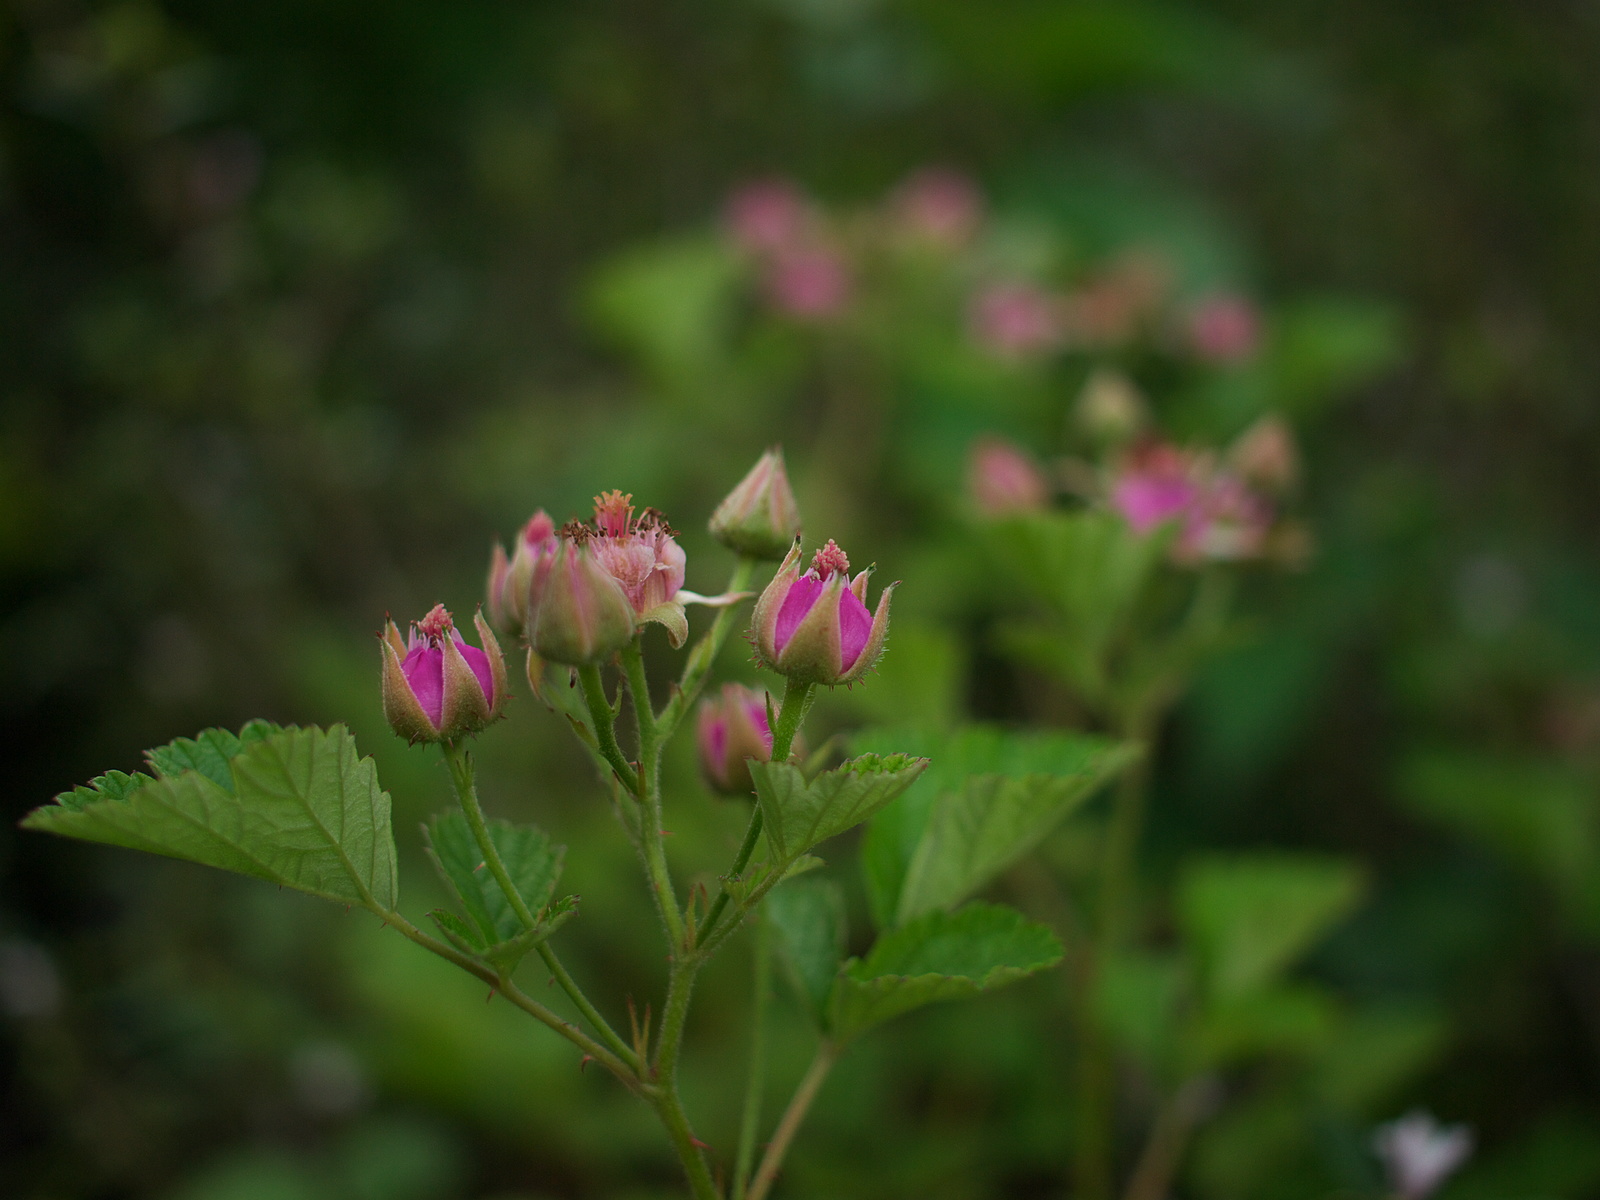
(1148, 500)
(424, 671)
(802, 595)
(855, 626)
(716, 741)
(479, 662)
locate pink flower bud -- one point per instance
(767, 215)
(1225, 328)
(511, 580)
(1154, 483)
(940, 206)
(810, 283)
(1265, 455)
(732, 729)
(815, 627)
(1419, 1154)
(435, 686)
(759, 518)
(1015, 320)
(1003, 479)
(579, 614)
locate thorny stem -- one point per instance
(652, 842)
(594, 695)
(789, 1124)
(750, 1118)
(673, 1016)
(463, 775)
(797, 699)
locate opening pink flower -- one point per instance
(511, 580)
(815, 627)
(767, 215)
(938, 205)
(1015, 320)
(1003, 479)
(435, 685)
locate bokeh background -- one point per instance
(302, 304)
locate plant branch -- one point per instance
(750, 1117)
(704, 655)
(600, 712)
(463, 775)
(789, 1123)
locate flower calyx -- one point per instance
(437, 687)
(814, 626)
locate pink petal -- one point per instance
(855, 626)
(802, 595)
(423, 668)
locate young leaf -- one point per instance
(798, 814)
(808, 927)
(1249, 917)
(942, 956)
(988, 798)
(531, 859)
(297, 807)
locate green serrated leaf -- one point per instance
(798, 815)
(808, 928)
(303, 809)
(506, 955)
(113, 785)
(988, 798)
(531, 859)
(209, 752)
(941, 956)
(1249, 917)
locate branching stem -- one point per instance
(789, 1123)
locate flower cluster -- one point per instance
(813, 266)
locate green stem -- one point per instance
(789, 1124)
(652, 842)
(704, 655)
(797, 699)
(750, 1118)
(674, 1015)
(1096, 1083)
(521, 999)
(462, 774)
(594, 695)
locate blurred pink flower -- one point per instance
(1111, 309)
(1221, 519)
(1226, 522)
(767, 215)
(1014, 319)
(1155, 483)
(939, 205)
(808, 283)
(1225, 328)
(1002, 478)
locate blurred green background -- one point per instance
(303, 304)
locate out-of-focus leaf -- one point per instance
(808, 927)
(1538, 813)
(798, 814)
(1277, 1019)
(667, 303)
(1374, 1054)
(1249, 917)
(988, 797)
(302, 809)
(1560, 1156)
(1136, 998)
(942, 956)
(1323, 348)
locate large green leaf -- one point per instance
(941, 956)
(798, 815)
(988, 797)
(531, 860)
(808, 929)
(1248, 917)
(297, 807)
